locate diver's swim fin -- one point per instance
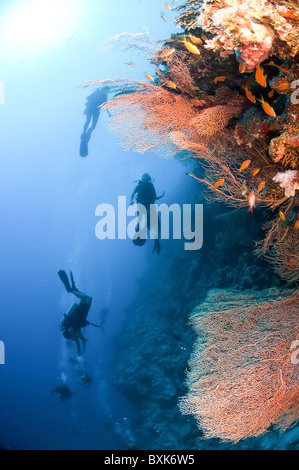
(84, 143)
(157, 247)
(63, 276)
(74, 288)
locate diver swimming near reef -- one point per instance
(64, 392)
(92, 113)
(145, 194)
(75, 318)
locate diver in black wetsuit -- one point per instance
(145, 194)
(75, 318)
(92, 113)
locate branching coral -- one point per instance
(281, 243)
(178, 71)
(241, 375)
(140, 43)
(147, 123)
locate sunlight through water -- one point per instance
(29, 29)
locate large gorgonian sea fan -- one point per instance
(243, 376)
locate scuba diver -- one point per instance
(64, 392)
(92, 112)
(75, 318)
(145, 194)
(84, 377)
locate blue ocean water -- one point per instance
(48, 196)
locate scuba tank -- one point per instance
(71, 311)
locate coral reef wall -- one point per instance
(156, 340)
(225, 96)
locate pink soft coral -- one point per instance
(289, 181)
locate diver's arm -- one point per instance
(133, 194)
(160, 197)
(93, 324)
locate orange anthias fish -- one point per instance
(283, 86)
(255, 171)
(149, 77)
(219, 79)
(278, 66)
(249, 95)
(267, 108)
(282, 216)
(197, 102)
(132, 64)
(242, 68)
(244, 165)
(191, 47)
(297, 224)
(167, 52)
(219, 183)
(163, 17)
(165, 40)
(251, 201)
(290, 261)
(260, 187)
(167, 6)
(170, 84)
(270, 94)
(194, 39)
(260, 77)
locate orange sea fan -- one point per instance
(145, 119)
(280, 246)
(212, 120)
(242, 378)
(178, 69)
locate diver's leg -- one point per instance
(95, 118)
(74, 288)
(88, 119)
(86, 299)
(157, 245)
(78, 346)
